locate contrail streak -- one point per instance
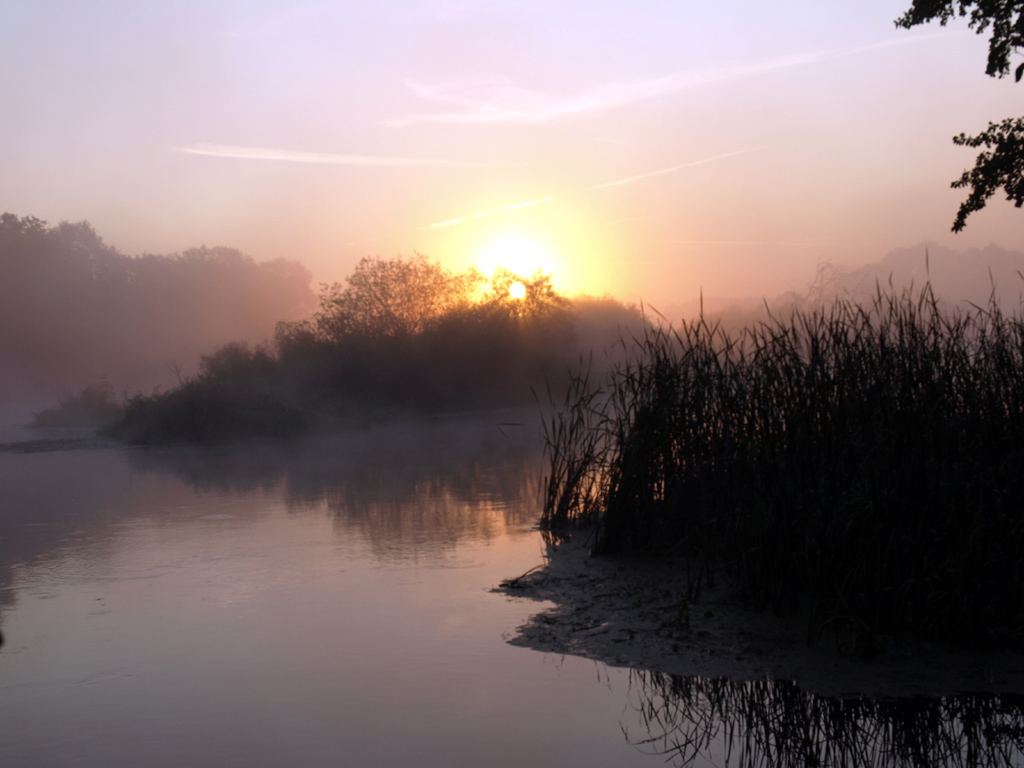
(692, 164)
(527, 204)
(616, 183)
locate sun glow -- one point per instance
(521, 255)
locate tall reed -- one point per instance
(862, 464)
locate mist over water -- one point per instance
(75, 312)
(328, 601)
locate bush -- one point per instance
(403, 336)
(94, 406)
(206, 411)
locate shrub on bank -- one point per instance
(236, 395)
(403, 336)
(860, 465)
(206, 411)
(94, 406)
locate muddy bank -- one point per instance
(634, 613)
(44, 445)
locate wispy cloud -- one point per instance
(499, 100)
(616, 183)
(291, 156)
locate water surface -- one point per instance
(328, 603)
(322, 604)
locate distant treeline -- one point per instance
(400, 336)
(73, 309)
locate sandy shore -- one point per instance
(633, 613)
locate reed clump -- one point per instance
(859, 464)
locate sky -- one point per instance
(650, 150)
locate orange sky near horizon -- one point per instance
(650, 152)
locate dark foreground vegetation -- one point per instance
(860, 465)
(401, 336)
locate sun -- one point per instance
(517, 290)
(517, 253)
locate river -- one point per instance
(313, 605)
(317, 604)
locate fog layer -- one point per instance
(74, 310)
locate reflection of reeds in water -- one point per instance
(762, 724)
(862, 464)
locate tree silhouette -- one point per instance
(1001, 164)
(392, 297)
(541, 300)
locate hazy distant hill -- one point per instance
(955, 276)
